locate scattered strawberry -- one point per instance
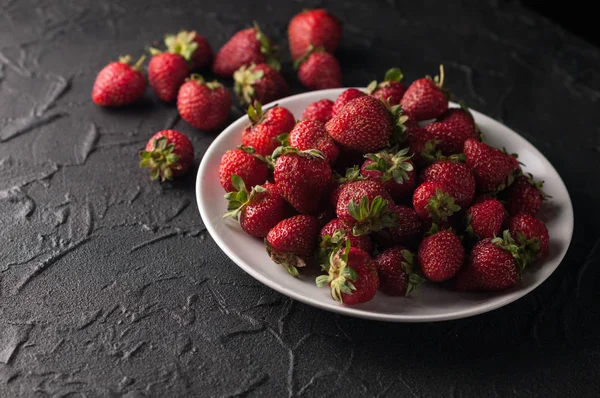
(318, 70)
(485, 219)
(452, 129)
(425, 99)
(191, 46)
(243, 162)
(313, 28)
(119, 84)
(293, 241)
(320, 110)
(456, 178)
(204, 105)
(261, 82)
(441, 256)
(168, 154)
(395, 170)
(408, 230)
(531, 233)
(311, 134)
(433, 203)
(335, 233)
(397, 276)
(265, 128)
(526, 196)
(345, 97)
(363, 205)
(494, 169)
(166, 73)
(391, 89)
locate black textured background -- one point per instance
(110, 285)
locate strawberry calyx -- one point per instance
(439, 82)
(244, 79)
(399, 119)
(441, 206)
(255, 112)
(286, 150)
(198, 79)
(414, 279)
(523, 250)
(182, 43)
(330, 244)
(392, 75)
(267, 48)
(290, 261)
(240, 198)
(352, 174)
(371, 215)
(432, 155)
(311, 50)
(339, 274)
(394, 166)
(126, 59)
(539, 185)
(161, 160)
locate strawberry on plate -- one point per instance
(119, 83)
(319, 110)
(204, 105)
(452, 129)
(259, 82)
(391, 89)
(192, 46)
(316, 28)
(494, 169)
(243, 162)
(425, 98)
(345, 97)
(408, 230)
(318, 70)
(456, 178)
(266, 127)
(336, 232)
(293, 242)
(485, 219)
(526, 196)
(397, 273)
(394, 169)
(311, 134)
(168, 154)
(531, 233)
(433, 204)
(441, 256)
(166, 73)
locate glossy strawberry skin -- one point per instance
(251, 170)
(263, 136)
(524, 198)
(530, 227)
(166, 73)
(424, 100)
(367, 282)
(263, 212)
(183, 148)
(313, 27)
(297, 235)
(408, 232)
(118, 84)
(492, 168)
(202, 57)
(319, 71)
(396, 191)
(242, 49)
(486, 218)
(364, 125)
(311, 134)
(441, 256)
(320, 110)
(203, 107)
(354, 191)
(452, 130)
(360, 242)
(455, 178)
(393, 279)
(390, 91)
(345, 97)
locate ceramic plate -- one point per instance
(433, 303)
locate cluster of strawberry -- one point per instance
(384, 189)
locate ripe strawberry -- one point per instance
(245, 47)
(243, 162)
(293, 241)
(408, 230)
(433, 203)
(425, 99)
(259, 210)
(452, 129)
(441, 256)
(485, 219)
(311, 134)
(302, 176)
(259, 82)
(352, 276)
(191, 46)
(166, 73)
(352, 174)
(363, 205)
(318, 70)
(204, 105)
(526, 196)
(168, 154)
(265, 128)
(456, 179)
(119, 84)
(335, 233)
(397, 276)
(419, 142)
(494, 170)
(531, 233)
(320, 110)
(313, 27)
(345, 97)
(391, 89)
(395, 170)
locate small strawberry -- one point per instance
(452, 129)
(433, 203)
(313, 28)
(265, 128)
(456, 178)
(191, 46)
(425, 99)
(243, 162)
(335, 233)
(311, 134)
(408, 230)
(494, 170)
(395, 170)
(303, 177)
(166, 73)
(345, 97)
(531, 233)
(119, 84)
(352, 174)
(244, 48)
(204, 105)
(397, 276)
(391, 89)
(419, 143)
(318, 70)
(259, 210)
(168, 154)
(261, 82)
(293, 241)
(320, 110)
(441, 256)
(352, 276)
(485, 219)
(526, 196)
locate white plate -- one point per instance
(433, 303)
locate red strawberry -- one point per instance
(531, 233)
(352, 174)
(168, 154)
(408, 230)
(526, 196)
(345, 97)
(485, 219)
(119, 84)
(336, 232)
(419, 143)
(320, 110)
(245, 47)
(302, 176)
(494, 170)
(433, 203)
(452, 129)
(265, 128)
(363, 205)
(293, 241)
(391, 89)
(258, 210)
(242, 161)
(456, 179)
(352, 276)
(396, 271)
(313, 27)
(166, 73)
(441, 256)
(204, 105)
(394, 170)
(425, 99)
(319, 70)
(259, 82)
(311, 134)
(191, 46)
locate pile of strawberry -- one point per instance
(384, 189)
